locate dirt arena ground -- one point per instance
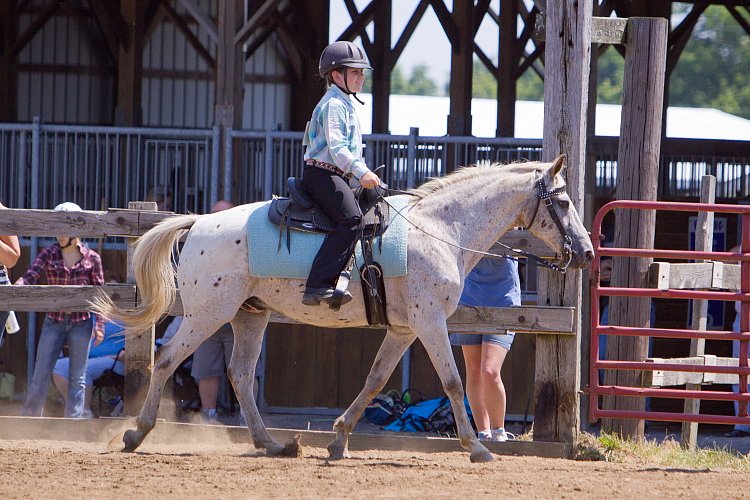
(65, 469)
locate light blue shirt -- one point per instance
(334, 135)
(492, 283)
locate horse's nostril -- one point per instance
(590, 256)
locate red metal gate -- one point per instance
(595, 389)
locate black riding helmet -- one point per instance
(342, 54)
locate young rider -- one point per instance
(333, 155)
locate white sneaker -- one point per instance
(501, 436)
(485, 435)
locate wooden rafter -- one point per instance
(416, 16)
(679, 37)
(193, 40)
(264, 32)
(256, 21)
(360, 20)
(480, 10)
(289, 43)
(103, 19)
(36, 25)
(446, 21)
(740, 19)
(203, 19)
(485, 60)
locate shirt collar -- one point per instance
(336, 90)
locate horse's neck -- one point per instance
(475, 214)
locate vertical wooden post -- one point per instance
(382, 65)
(638, 170)
(130, 66)
(462, 68)
(704, 238)
(8, 61)
(139, 349)
(506, 70)
(558, 358)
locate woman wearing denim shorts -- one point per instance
(492, 283)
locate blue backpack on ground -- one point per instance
(433, 415)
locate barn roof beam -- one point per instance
(106, 26)
(36, 25)
(680, 35)
(285, 34)
(446, 21)
(256, 21)
(738, 17)
(193, 40)
(359, 21)
(264, 32)
(416, 16)
(201, 17)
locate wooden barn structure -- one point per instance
(226, 68)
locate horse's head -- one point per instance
(555, 220)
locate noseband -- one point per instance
(543, 194)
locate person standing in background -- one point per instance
(10, 251)
(67, 262)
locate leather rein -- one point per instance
(542, 194)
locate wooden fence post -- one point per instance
(704, 239)
(139, 349)
(558, 360)
(638, 170)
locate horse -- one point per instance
(453, 220)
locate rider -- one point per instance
(334, 154)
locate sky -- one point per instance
(428, 45)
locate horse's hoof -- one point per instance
(130, 438)
(292, 449)
(336, 452)
(480, 457)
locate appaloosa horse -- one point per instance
(469, 209)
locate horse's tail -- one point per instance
(154, 274)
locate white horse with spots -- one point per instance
(470, 208)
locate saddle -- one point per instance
(300, 213)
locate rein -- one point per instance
(542, 194)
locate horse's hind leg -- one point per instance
(393, 347)
(189, 336)
(249, 329)
(434, 337)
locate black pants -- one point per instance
(332, 193)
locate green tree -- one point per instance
(484, 84)
(714, 69)
(420, 83)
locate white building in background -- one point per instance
(429, 114)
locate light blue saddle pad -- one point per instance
(266, 260)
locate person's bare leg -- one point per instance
(493, 389)
(208, 389)
(473, 362)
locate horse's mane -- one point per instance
(469, 172)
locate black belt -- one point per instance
(327, 166)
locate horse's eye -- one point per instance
(563, 204)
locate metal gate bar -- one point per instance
(597, 291)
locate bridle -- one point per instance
(543, 194)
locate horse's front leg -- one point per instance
(434, 337)
(248, 339)
(393, 347)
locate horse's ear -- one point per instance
(557, 165)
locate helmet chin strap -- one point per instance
(346, 90)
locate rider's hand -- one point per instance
(369, 180)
